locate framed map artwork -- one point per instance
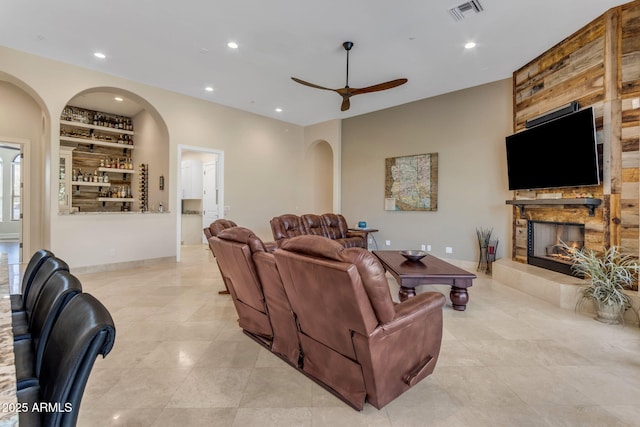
(411, 183)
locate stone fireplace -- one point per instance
(545, 244)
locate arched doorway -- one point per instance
(24, 127)
(319, 177)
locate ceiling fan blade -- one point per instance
(347, 92)
(345, 103)
(302, 82)
(379, 86)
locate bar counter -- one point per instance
(8, 400)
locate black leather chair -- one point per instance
(83, 330)
(20, 319)
(17, 300)
(57, 292)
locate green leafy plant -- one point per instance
(607, 273)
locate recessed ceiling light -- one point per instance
(278, 110)
(208, 89)
(232, 45)
(117, 98)
(470, 45)
(99, 55)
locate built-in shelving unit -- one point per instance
(589, 203)
(95, 127)
(100, 140)
(115, 170)
(90, 184)
(94, 142)
(116, 199)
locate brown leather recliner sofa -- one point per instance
(330, 225)
(353, 338)
(253, 280)
(327, 311)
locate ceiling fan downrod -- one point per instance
(347, 46)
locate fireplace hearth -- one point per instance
(545, 244)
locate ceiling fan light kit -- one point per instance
(347, 92)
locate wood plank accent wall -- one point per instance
(599, 66)
(630, 126)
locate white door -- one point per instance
(209, 194)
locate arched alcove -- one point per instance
(319, 177)
(100, 226)
(149, 145)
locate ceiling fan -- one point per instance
(347, 92)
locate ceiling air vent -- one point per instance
(469, 8)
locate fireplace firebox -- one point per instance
(545, 247)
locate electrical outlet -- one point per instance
(387, 242)
(428, 248)
(423, 247)
(635, 103)
(449, 250)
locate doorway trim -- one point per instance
(25, 171)
(178, 205)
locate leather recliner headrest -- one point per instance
(371, 271)
(243, 235)
(217, 226)
(317, 246)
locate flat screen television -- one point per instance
(560, 153)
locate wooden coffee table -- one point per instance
(428, 271)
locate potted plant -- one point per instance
(484, 235)
(607, 274)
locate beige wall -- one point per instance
(152, 148)
(262, 161)
(21, 121)
(467, 129)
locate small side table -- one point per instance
(366, 232)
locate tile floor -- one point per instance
(510, 360)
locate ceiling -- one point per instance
(182, 46)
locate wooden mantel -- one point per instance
(590, 203)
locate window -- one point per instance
(16, 183)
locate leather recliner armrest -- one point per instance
(356, 234)
(417, 306)
(270, 246)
